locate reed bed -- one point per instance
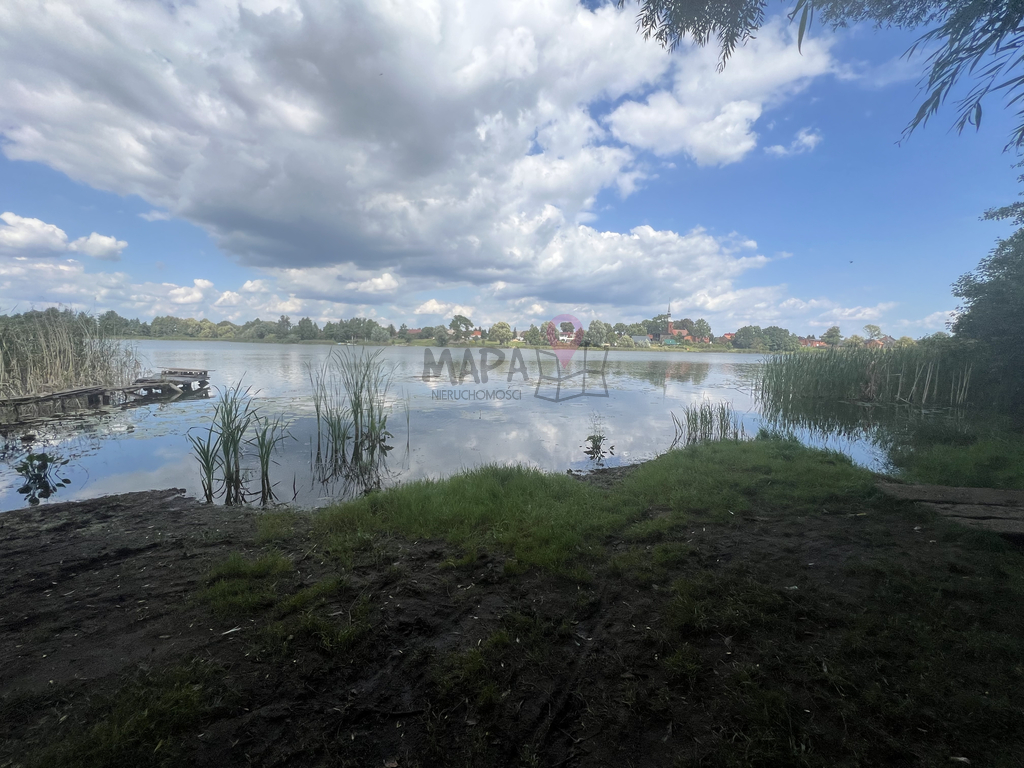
(351, 400)
(705, 422)
(909, 376)
(53, 350)
(220, 449)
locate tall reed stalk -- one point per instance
(351, 400)
(269, 432)
(207, 452)
(705, 421)
(55, 349)
(909, 375)
(232, 417)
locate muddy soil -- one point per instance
(462, 661)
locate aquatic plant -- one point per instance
(269, 432)
(705, 421)
(38, 470)
(58, 349)
(232, 417)
(913, 375)
(595, 449)
(207, 453)
(350, 398)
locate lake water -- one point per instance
(438, 428)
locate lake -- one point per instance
(540, 415)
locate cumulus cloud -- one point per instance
(443, 309)
(401, 141)
(805, 141)
(710, 115)
(21, 236)
(99, 246)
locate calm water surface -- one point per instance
(144, 447)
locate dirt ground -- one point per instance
(450, 661)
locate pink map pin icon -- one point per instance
(564, 350)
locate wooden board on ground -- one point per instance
(985, 508)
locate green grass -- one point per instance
(141, 723)
(996, 462)
(240, 586)
(553, 521)
(540, 519)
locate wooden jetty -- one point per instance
(172, 383)
(986, 508)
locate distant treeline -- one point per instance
(167, 326)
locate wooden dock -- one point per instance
(171, 384)
(986, 508)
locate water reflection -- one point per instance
(145, 447)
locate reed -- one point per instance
(704, 422)
(922, 376)
(234, 414)
(207, 452)
(268, 434)
(351, 400)
(57, 349)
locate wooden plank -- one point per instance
(945, 494)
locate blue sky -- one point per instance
(409, 161)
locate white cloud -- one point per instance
(30, 236)
(155, 215)
(804, 141)
(23, 236)
(99, 247)
(710, 115)
(435, 307)
(401, 141)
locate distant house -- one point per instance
(641, 341)
(728, 336)
(475, 334)
(414, 331)
(813, 343)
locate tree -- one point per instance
(749, 337)
(780, 339)
(873, 331)
(403, 333)
(689, 326)
(620, 329)
(501, 333)
(284, 325)
(427, 332)
(832, 336)
(307, 329)
(968, 33)
(567, 327)
(550, 333)
(597, 334)
(441, 336)
(854, 341)
(904, 341)
(533, 336)
(992, 313)
(460, 326)
(380, 335)
(636, 329)
(702, 329)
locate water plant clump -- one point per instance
(704, 422)
(921, 376)
(39, 473)
(594, 448)
(53, 349)
(351, 400)
(220, 450)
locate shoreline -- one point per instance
(450, 622)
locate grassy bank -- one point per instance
(743, 603)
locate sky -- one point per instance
(514, 160)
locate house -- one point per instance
(641, 341)
(414, 331)
(475, 334)
(812, 343)
(727, 336)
